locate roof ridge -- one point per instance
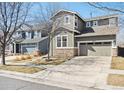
(102, 16)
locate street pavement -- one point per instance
(15, 84)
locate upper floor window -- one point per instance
(32, 34)
(23, 35)
(67, 19)
(103, 22)
(88, 24)
(38, 33)
(114, 44)
(61, 41)
(76, 22)
(95, 23)
(35, 34)
(29, 34)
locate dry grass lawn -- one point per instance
(115, 80)
(52, 62)
(23, 69)
(117, 63)
(21, 61)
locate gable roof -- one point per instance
(28, 41)
(68, 29)
(68, 11)
(35, 40)
(36, 27)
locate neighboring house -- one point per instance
(30, 40)
(75, 36)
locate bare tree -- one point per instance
(12, 17)
(117, 7)
(44, 18)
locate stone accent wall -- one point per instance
(65, 52)
(114, 51)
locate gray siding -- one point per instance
(61, 32)
(43, 46)
(60, 20)
(113, 21)
(81, 24)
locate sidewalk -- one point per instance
(35, 79)
(41, 80)
(80, 73)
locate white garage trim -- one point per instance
(79, 42)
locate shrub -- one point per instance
(22, 57)
(37, 53)
(27, 57)
(17, 58)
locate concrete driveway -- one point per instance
(80, 72)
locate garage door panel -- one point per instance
(96, 49)
(29, 49)
(100, 51)
(83, 50)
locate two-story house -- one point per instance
(30, 40)
(76, 36)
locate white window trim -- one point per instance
(61, 41)
(88, 23)
(68, 19)
(76, 19)
(95, 22)
(114, 45)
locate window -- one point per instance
(38, 33)
(76, 22)
(23, 35)
(32, 34)
(58, 41)
(35, 33)
(88, 24)
(94, 23)
(103, 22)
(98, 43)
(107, 43)
(62, 41)
(67, 19)
(114, 44)
(90, 43)
(27, 34)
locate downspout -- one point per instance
(73, 33)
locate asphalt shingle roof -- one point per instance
(99, 31)
(102, 17)
(35, 40)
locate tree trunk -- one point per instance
(48, 47)
(3, 55)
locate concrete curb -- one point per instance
(33, 78)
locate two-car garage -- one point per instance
(95, 48)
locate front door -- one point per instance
(17, 48)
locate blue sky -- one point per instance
(82, 8)
(85, 10)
